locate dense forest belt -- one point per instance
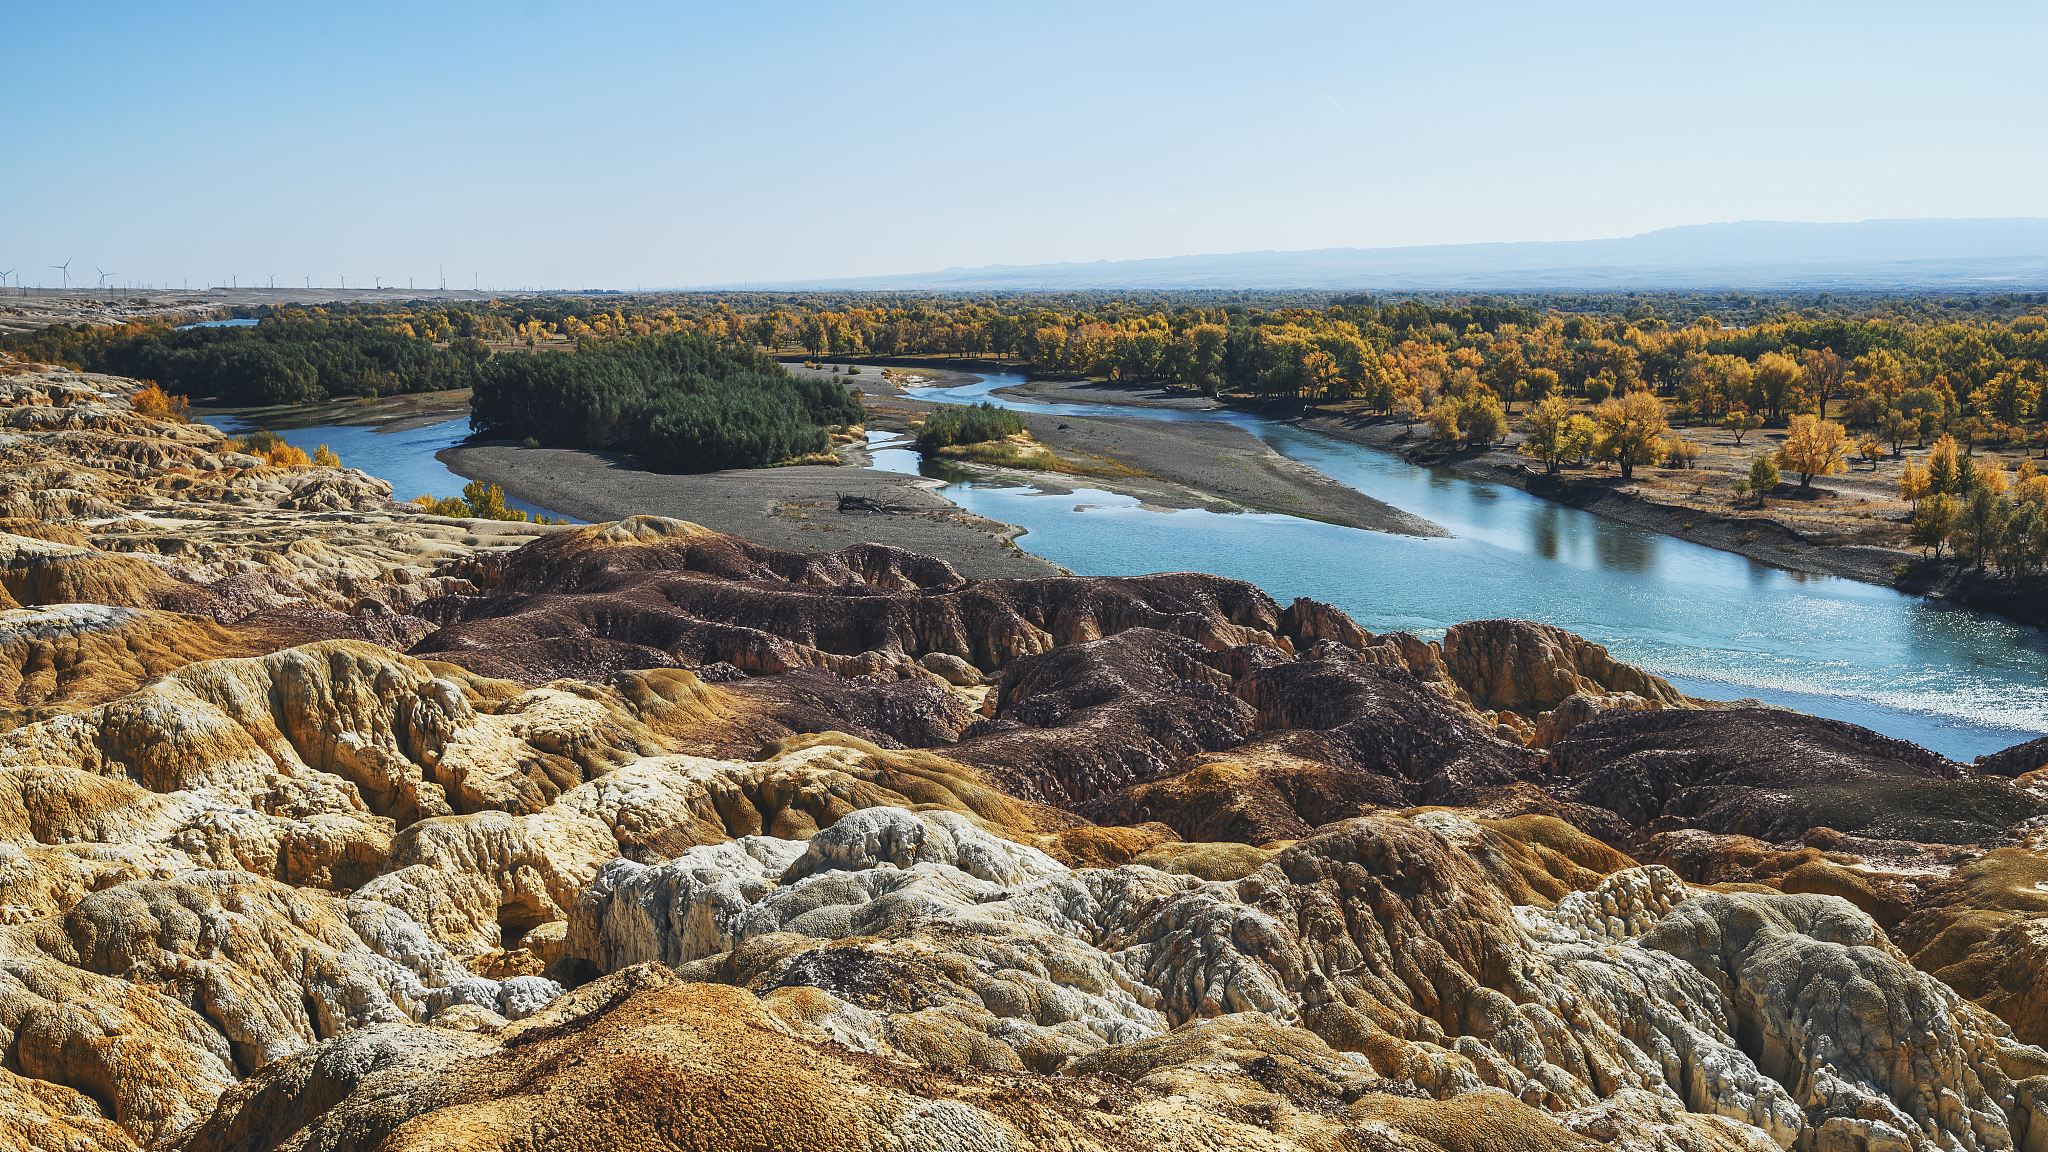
(793, 508)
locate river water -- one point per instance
(405, 458)
(1714, 623)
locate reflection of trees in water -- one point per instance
(1543, 531)
(933, 468)
(1624, 549)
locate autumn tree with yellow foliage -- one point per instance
(1632, 429)
(1814, 447)
(1913, 483)
(154, 401)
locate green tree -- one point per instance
(1482, 421)
(1549, 439)
(1581, 434)
(1763, 477)
(1896, 428)
(1980, 523)
(1822, 372)
(1944, 471)
(1208, 342)
(1005, 333)
(1776, 376)
(951, 424)
(1443, 419)
(2025, 540)
(1933, 521)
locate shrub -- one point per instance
(953, 424)
(1763, 477)
(1680, 452)
(271, 448)
(479, 501)
(487, 502)
(259, 442)
(154, 401)
(1482, 421)
(529, 442)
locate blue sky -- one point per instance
(619, 144)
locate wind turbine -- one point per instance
(65, 268)
(103, 277)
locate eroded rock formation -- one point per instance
(328, 824)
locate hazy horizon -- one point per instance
(627, 144)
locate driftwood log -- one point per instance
(869, 506)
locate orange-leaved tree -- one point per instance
(1814, 447)
(1913, 483)
(154, 401)
(1632, 429)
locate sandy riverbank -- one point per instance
(1184, 465)
(1707, 521)
(1756, 536)
(1181, 464)
(793, 508)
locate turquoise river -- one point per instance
(1716, 624)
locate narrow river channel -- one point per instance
(1714, 623)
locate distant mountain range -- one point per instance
(1759, 255)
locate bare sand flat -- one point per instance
(792, 508)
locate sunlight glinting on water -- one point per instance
(1961, 682)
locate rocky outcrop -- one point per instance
(1983, 931)
(1775, 1017)
(708, 1066)
(1319, 741)
(1529, 668)
(1775, 774)
(699, 598)
(1825, 995)
(151, 997)
(2017, 760)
